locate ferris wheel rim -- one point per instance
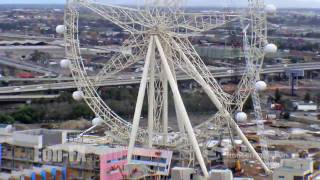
(83, 83)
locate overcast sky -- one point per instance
(279, 3)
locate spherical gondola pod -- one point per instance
(261, 86)
(97, 121)
(77, 95)
(60, 29)
(65, 63)
(241, 116)
(270, 9)
(270, 48)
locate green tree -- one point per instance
(287, 104)
(81, 110)
(286, 115)
(40, 57)
(307, 97)
(65, 97)
(27, 114)
(318, 97)
(22, 116)
(248, 105)
(6, 119)
(277, 96)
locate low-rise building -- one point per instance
(25, 153)
(296, 169)
(302, 106)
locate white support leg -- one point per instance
(165, 106)
(179, 120)
(151, 99)
(225, 113)
(141, 94)
(183, 112)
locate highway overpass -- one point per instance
(130, 79)
(19, 98)
(25, 66)
(28, 37)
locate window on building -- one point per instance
(145, 158)
(297, 178)
(122, 158)
(281, 178)
(162, 169)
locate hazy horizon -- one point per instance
(199, 3)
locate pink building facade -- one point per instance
(111, 165)
(112, 162)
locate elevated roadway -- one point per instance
(134, 78)
(27, 37)
(26, 97)
(25, 66)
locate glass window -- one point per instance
(297, 178)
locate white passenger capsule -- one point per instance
(270, 9)
(65, 63)
(60, 29)
(241, 117)
(77, 95)
(261, 86)
(270, 48)
(97, 121)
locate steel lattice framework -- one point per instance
(159, 35)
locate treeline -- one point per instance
(121, 100)
(63, 108)
(296, 44)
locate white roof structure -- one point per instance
(86, 148)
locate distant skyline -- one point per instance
(278, 3)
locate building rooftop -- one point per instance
(86, 148)
(292, 170)
(45, 131)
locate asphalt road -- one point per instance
(134, 78)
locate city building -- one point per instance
(19, 147)
(306, 107)
(52, 153)
(296, 169)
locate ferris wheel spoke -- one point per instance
(201, 22)
(117, 126)
(129, 19)
(253, 54)
(188, 60)
(212, 93)
(130, 53)
(116, 64)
